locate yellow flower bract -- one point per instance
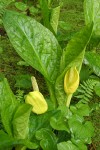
(38, 102)
(71, 80)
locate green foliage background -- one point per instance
(73, 10)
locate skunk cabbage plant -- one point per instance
(46, 122)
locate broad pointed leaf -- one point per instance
(34, 43)
(8, 104)
(72, 56)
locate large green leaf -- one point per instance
(20, 121)
(6, 142)
(8, 105)
(34, 43)
(92, 14)
(93, 61)
(48, 139)
(72, 56)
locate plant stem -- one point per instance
(52, 93)
(69, 96)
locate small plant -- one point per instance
(85, 91)
(54, 122)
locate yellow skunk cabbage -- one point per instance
(71, 80)
(38, 102)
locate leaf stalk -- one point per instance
(69, 96)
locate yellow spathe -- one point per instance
(38, 102)
(71, 80)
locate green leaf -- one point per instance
(67, 146)
(80, 109)
(20, 121)
(8, 105)
(26, 143)
(59, 121)
(79, 144)
(72, 56)
(21, 6)
(65, 26)
(92, 14)
(6, 142)
(51, 106)
(97, 89)
(54, 18)
(48, 139)
(85, 73)
(93, 61)
(33, 10)
(74, 52)
(80, 130)
(23, 81)
(45, 13)
(22, 63)
(34, 43)
(39, 121)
